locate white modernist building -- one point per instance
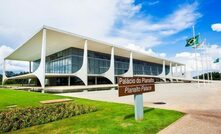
(61, 58)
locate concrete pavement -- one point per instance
(202, 105)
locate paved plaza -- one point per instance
(201, 103)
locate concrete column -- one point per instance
(69, 80)
(83, 71)
(4, 78)
(29, 66)
(129, 73)
(180, 71)
(95, 80)
(170, 72)
(163, 71)
(170, 69)
(110, 72)
(29, 80)
(43, 57)
(176, 72)
(40, 71)
(184, 71)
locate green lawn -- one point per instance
(22, 98)
(111, 118)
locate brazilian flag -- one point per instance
(216, 61)
(192, 41)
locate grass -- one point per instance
(22, 98)
(111, 118)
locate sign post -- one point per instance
(138, 103)
(136, 86)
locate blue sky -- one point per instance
(209, 9)
(157, 27)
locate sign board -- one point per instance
(135, 85)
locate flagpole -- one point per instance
(202, 60)
(211, 77)
(203, 70)
(207, 66)
(195, 56)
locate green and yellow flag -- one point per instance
(192, 41)
(216, 61)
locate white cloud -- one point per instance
(11, 65)
(203, 62)
(153, 3)
(216, 27)
(117, 21)
(20, 18)
(180, 19)
(176, 40)
(17, 66)
(148, 51)
(214, 50)
(4, 51)
(156, 54)
(144, 31)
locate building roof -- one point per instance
(58, 40)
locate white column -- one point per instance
(176, 72)
(110, 72)
(170, 69)
(29, 66)
(43, 56)
(82, 72)
(29, 80)
(170, 72)
(185, 71)
(40, 71)
(4, 78)
(163, 74)
(95, 80)
(129, 72)
(176, 69)
(69, 80)
(180, 70)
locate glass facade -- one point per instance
(167, 69)
(70, 60)
(66, 61)
(146, 68)
(121, 65)
(98, 63)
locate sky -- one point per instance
(157, 27)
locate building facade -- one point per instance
(58, 57)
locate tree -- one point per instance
(215, 75)
(15, 81)
(0, 78)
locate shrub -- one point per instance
(18, 118)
